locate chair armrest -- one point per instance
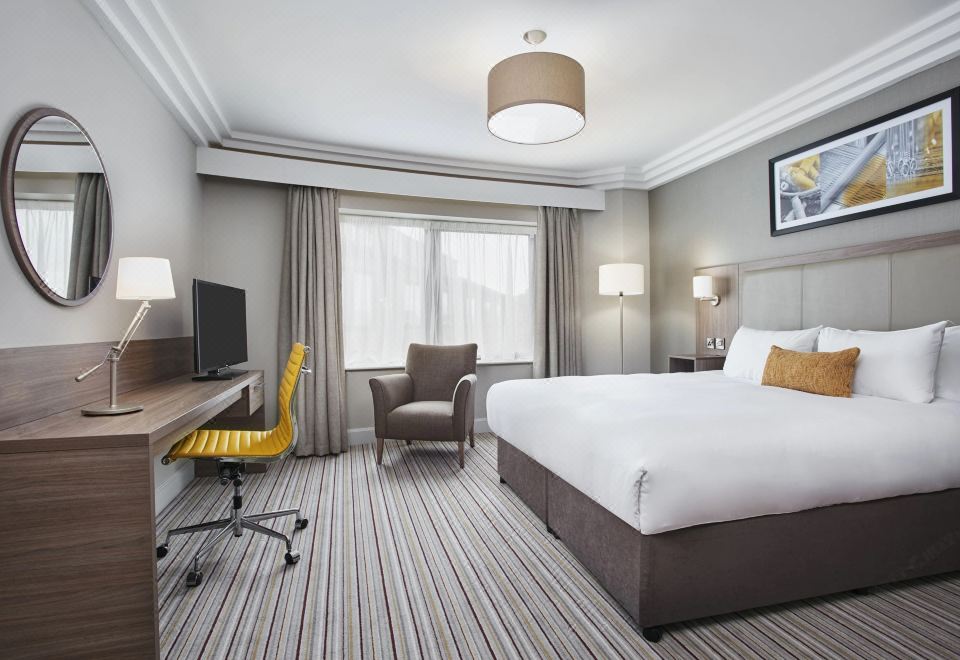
(389, 392)
(463, 406)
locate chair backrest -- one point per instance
(436, 370)
(287, 396)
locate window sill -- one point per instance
(480, 363)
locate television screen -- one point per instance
(219, 326)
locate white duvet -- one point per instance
(669, 451)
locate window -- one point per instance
(438, 282)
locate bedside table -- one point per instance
(688, 363)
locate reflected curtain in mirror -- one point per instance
(90, 247)
(46, 228)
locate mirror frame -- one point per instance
(8, 168)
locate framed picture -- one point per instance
(899, 161)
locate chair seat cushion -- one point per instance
(213, 444)
(421, 420)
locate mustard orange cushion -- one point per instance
(829, 374)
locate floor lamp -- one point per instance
(621, 280)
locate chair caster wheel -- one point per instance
(162, 551)
(654, 634)
(302, 523)
(292, 557)
(194, 578)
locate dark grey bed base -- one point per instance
(725, 567)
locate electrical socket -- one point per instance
(719, 343)
(709, 342)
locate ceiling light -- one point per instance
(536, 98)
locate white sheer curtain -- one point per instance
(46, 228)
(486, 292)
(383, 265)
(434, 281)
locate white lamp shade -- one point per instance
(144, 278)
(703, 286)
(621, 278)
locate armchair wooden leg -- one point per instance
(379, 450)
(471, 436)
(460, 452)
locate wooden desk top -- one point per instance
(171, 407)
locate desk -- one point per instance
(77, 549)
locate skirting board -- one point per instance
(177, 478)
(364, 436)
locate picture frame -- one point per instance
(902, 160)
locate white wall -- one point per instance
(620, 233)
(54, 53)
(243, 224)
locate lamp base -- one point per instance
(97, 411)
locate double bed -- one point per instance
(695, 494)
(669, 451)
(689, 495)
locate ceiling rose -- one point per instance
(536, 98)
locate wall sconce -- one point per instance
(703, 289)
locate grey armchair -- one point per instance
(432, 399)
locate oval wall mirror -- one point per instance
(56, 206)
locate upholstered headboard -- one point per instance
(878, 286)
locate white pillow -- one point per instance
(901, 364)
(948, 370)
(749, 349)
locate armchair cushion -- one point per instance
(436, 370)
(421, 420)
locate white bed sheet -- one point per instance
(669, 451)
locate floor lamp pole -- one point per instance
(621, 333)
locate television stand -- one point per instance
(224, 373)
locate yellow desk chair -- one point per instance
(232, 450)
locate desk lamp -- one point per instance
(138, 278)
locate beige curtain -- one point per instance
(557, 331)
(90, 244)
(310, 311)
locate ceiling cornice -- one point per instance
(144, 34)
(920, 46)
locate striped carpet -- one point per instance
(420, 559)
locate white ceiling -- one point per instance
(407, 79)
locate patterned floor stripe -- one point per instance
(420, 559)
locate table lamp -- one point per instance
(621, 280)
(138, 278)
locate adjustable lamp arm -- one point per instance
(116, 351)
(132, 328)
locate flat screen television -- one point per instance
(219, 330)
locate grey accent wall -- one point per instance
(619, 233)
(243, 224)
(720, 214)
(54, 53)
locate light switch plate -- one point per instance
(720, 343)
(709, 342)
